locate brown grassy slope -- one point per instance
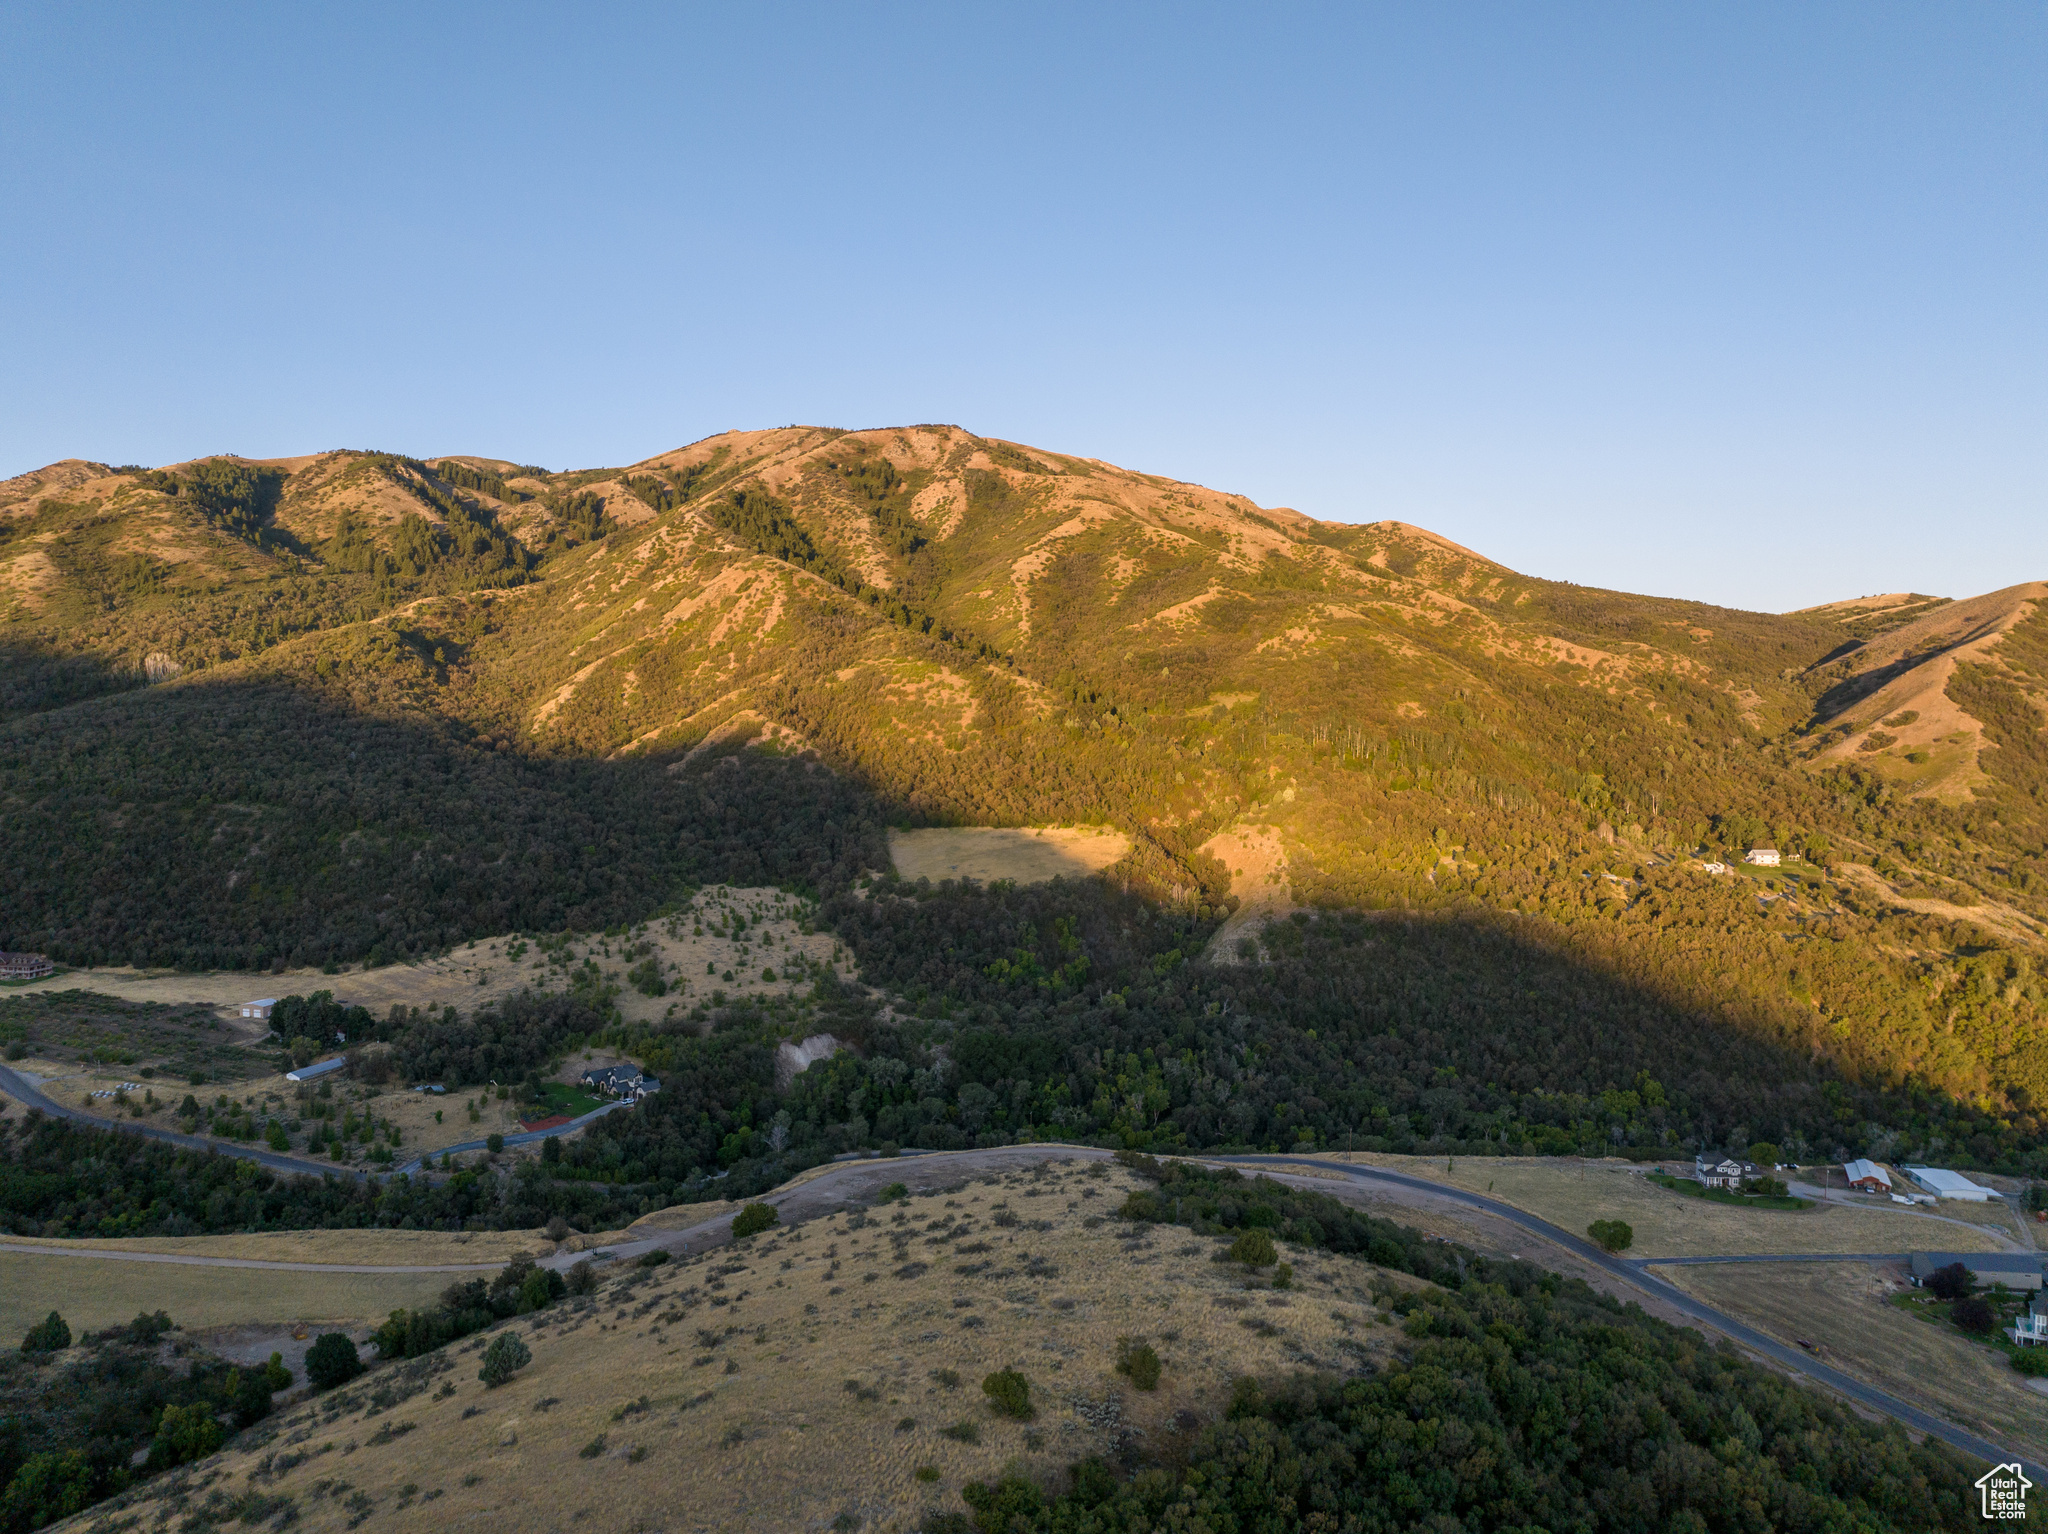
(779, 1383)
(1890, 695)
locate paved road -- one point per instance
(24, 1091)
(184, 1260)
(855, 1183)
(526, 1137)
(1636, 1273)
(1696, 1262)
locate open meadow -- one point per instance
(1025, 854)
(1573, 1194)
(1841, 1309)
(93, 1293)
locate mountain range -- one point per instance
(357, 705)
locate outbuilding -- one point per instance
(1868, 1177)
(1946, 1184)
(2015, 1270)
(260, 1010)
(308, 1072)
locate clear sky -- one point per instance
(1743, 302)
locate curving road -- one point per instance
(24, 1090)
(856, 1183)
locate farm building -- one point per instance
(1868, 1177)
(1763, 857)
(25, 966)
(1715, 1170)
(1950, 1184)
(308, 1072)
(260, 1010)
(2015, 1270)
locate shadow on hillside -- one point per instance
(235, 824)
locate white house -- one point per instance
(1715, 1170)
(1868, 1177)
(260, 1010)
(1763, 857)
(1950, 1184)
(2030, 1330)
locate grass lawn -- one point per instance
(1692, 1189)
(560, 1097)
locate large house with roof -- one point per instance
(1714, 1170)
(620, 1082)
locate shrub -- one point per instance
(1253, 1248)
(1138, 1362)
(653, 1259)
(1283, 1276)
(892, 1193)
(1949, 1283)
(1973, 1314)
(49, 1335)
(183, 1434)
(927, 1473)
(495, 1143)
(752, 1220)
(332, 1360)
(2031, 1361)
(1613, 1235)
(582, 1277)
(505, 1357)
(961, 1432)
(1010, 1393)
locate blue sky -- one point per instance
(1743, 302)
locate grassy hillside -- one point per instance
(363, 704)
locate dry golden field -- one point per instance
(779, 1383)
(696, 947)
(92, 1293)
(1028, 855)
(1840, 1307)
(1573, 1194)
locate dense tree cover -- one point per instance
(1524, 1401)
(241, 827)
(72, 1421)
(519, 1288)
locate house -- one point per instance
(1950, 1184)
(622, 1082)
(308, 1072)
(1763, 857)
(25, 966)
(1715, 1170)
(1714, 868)
(260, 1010)
(1868, 1177)
(2015, 1270)
(2030, 1328)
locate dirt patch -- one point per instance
(1258, 878)
(1026, 854)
